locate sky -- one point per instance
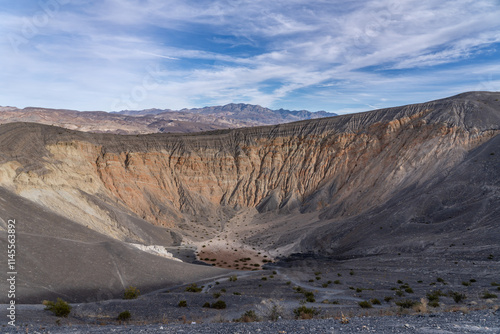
(338, 56)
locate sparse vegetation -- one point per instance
(193, 288)
(131, 293)
(407, 303)
(365, 304)
(304, 312)
(60, 308)
(309, 296)
(206, 305)
(124, 316)
(434, 295)
(375, 301)
(273, 310)
(219, 305)
(488, 295)
(233, 278)
(457, 297)
(434, 303)
(388, 299)
(248, 316)
(182, 303)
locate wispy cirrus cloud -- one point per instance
(331, 55)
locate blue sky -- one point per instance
(338, 56)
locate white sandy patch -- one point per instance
(156, 250)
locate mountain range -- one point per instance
(158, 120)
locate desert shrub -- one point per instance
(407, 303)
(309, 296)
(272, 309)
(388, 299)
(264, 278)
(183, 303)
(400, 281)
(495, 284)
(275, 272)
(131, 293)
(124, 316)
(311, 280)
(60, 308)
(248, 316)
(233, 278)
(359, 290)
(472, 280)
(304, 312)
(488, 295)
(324, 285)
(365, 304)
(317, 273)
(193, 288)
(465, 283)
(434, 303)
(375, 301)
(288, 283)
(318, 278)
(237, 293)
(206, 305)
(219, 305)
(400, 293)
(336, 282)
(299, 289)
(440, 280)
(351, 272)
(457, 297)
(409, 290)
(216, 295)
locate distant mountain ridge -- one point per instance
(242, 112)
(158, 120)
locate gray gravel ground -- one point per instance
(484, 321)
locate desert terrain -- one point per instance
(389, 214)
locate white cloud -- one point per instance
(88, 56)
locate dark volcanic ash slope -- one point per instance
(403, 167)
(56, 257)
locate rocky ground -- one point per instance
(484, 321)
(332, 289)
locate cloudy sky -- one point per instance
(338, 56)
